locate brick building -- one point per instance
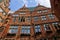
(55, 4)
(33, 23)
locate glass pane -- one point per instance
(26, 29)
(46, 27)
(43, 17)
(13, 30)
(37, 28)
(36, 18)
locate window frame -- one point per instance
(39, 11)
(43, 17)
(47, 27)
(14, 19)
(13, 29)
(37, 28)
(51, 16)
(36, 18)
(45, 11)
(25, 30)
(22, 12)
(28, 19)
(55, 25)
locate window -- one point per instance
(21, 19)
(43, 17)
(15, 15)
(1, 29)
(37, 28)
(28, 19)
(14, 19)
(56, 25)
(22, 12)
(39, 11)
(13, 29)
(51, 16)
(45, 10)
(25, 30)
(36, 18)
(46, 27)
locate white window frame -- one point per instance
(43, 18)
(25, 30)
(46, 27)
(36, 18)
(37, 28)
(45, 10)
(51, 16)
(13, 29)
(15, 15)
(28, 19)
(22, 12)
(39, 11)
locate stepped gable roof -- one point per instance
(29, 9)
(24, 8)
(40, 7)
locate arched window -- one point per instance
(21, 19)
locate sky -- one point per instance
(16, 4)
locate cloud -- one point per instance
(16, 4)
(35, 2)
(44, 2)
(30, 3)
(25, 2)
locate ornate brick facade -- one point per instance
(34, 23)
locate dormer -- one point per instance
(39, 8)
(24, 10)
